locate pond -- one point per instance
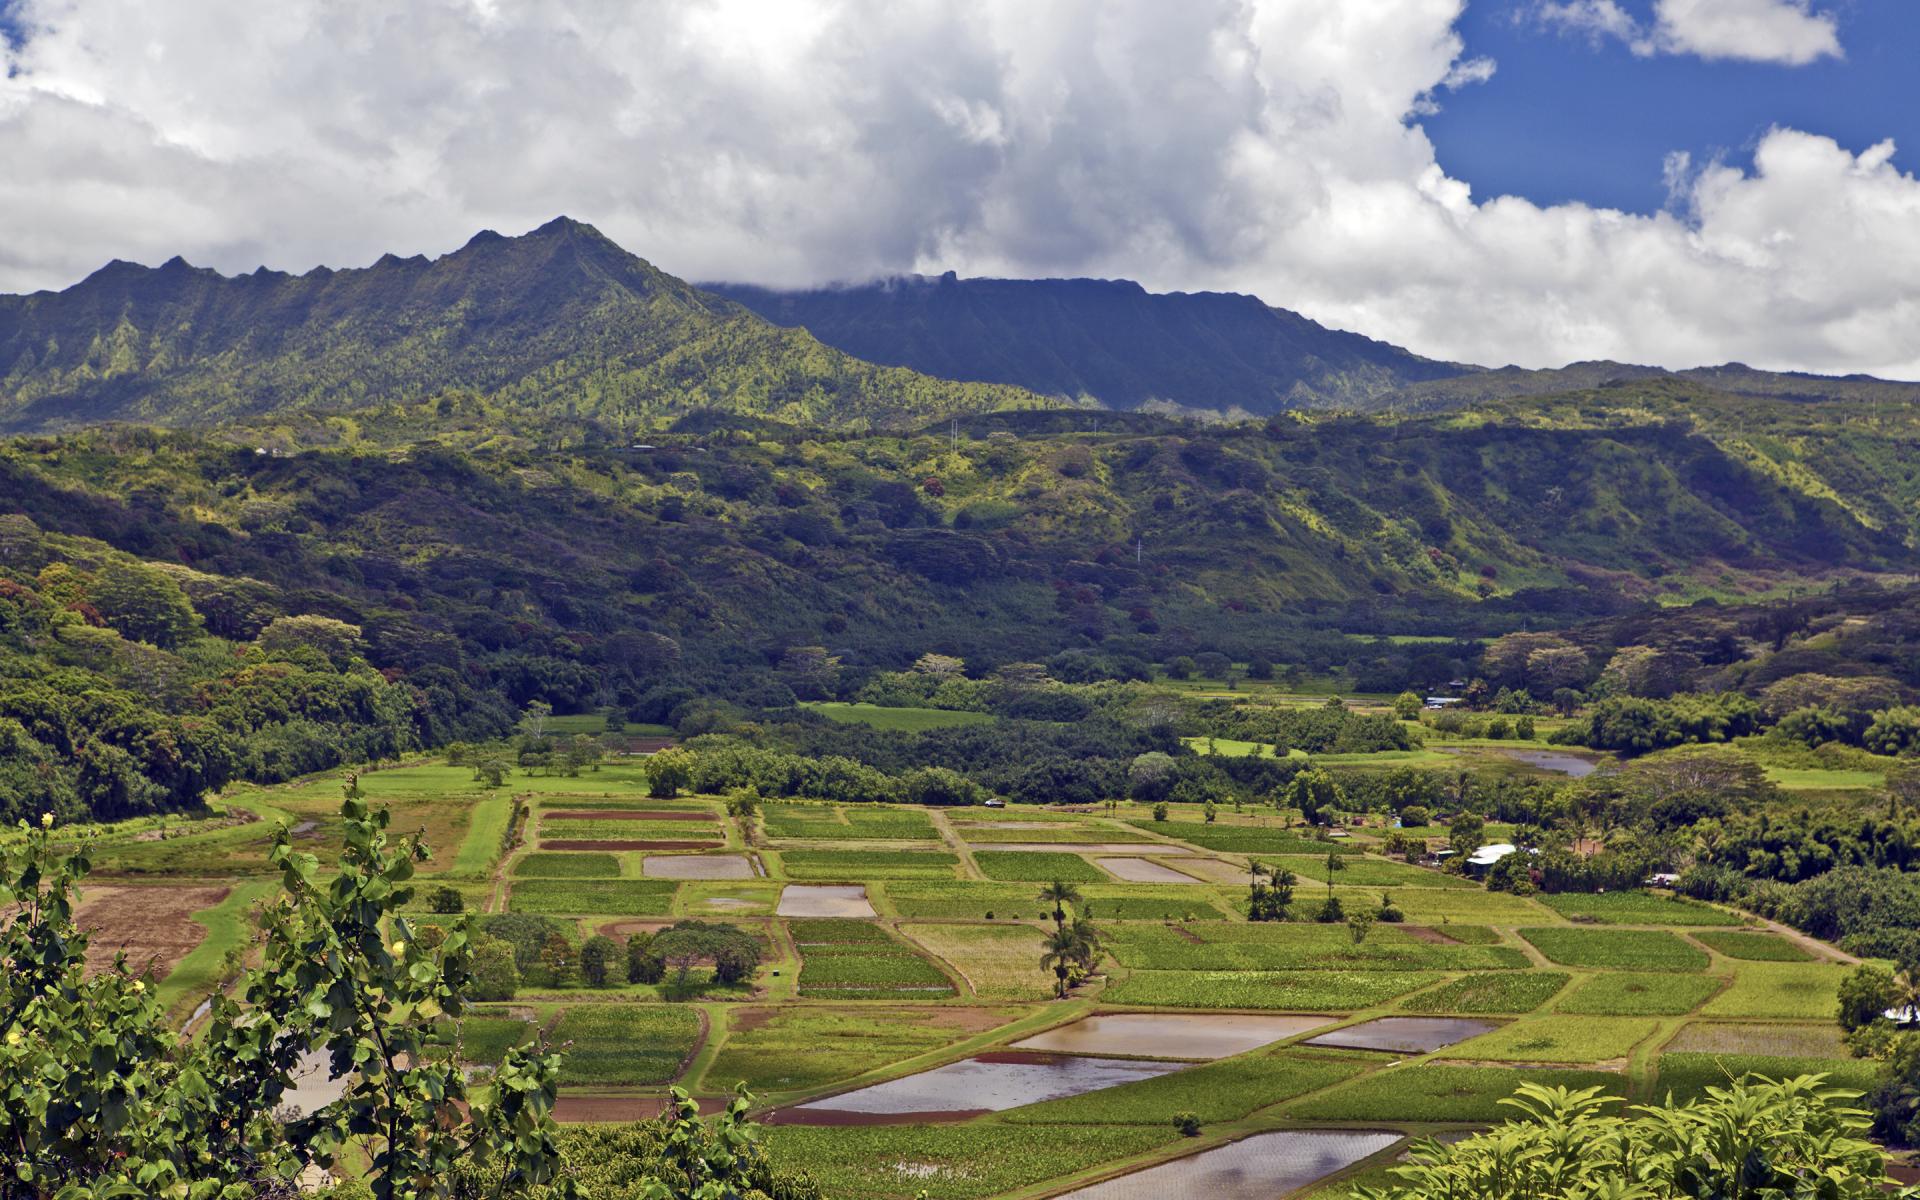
(986, 1083)
(1547, 760)
(1261, 1167)
(697, 866)
(1171, 1035)
(1406, 1035)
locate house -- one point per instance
(1480, 860)
(996, 802)
(1439, 702)
(1665, 879)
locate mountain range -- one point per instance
(562, 322)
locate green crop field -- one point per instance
(614, 897)
(855, 960)
(1754, 947)
(485, 1039)
(602, 830)
(954, 1162)
(1637, 908)
(1369, 871)
(625, 1043)
(1499, 992)
(1269, 947)
(1031, 866)
(1306, 991)
(1687, 1075)
(1642, 949)
(1437, 1092)
(1629, 993)
(790, 1048)
(860, 865)
(1244, 839)
(848, 823)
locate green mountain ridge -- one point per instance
(559, 320)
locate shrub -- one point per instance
(444, 899)
(597, 955)
(1188, 1123)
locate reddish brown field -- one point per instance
(153, 926)
(588, 844)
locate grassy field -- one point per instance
(1273, 947)
(1757, 947)
(1632, 993)
(1637, 908)
(1644, 949)
(999, 962)
(905, 720)
(1780, 989)
(1559, 1039)
(1686, 1075)
(562, 864)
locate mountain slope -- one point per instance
(1108, 339)
(558, 319)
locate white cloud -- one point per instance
(1788, 32)
(1257, 145)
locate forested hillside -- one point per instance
(1110, 340)
(372, 596)
(560, 321)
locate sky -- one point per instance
(1674, 182)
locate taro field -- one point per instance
(899, 1031)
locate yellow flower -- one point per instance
(46, 820)
(139, 985)
(13, 1037)
(398, 948)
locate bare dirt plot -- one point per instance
(153, 926)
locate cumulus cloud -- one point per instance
(1269, 146)
(1788, 32)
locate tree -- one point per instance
(1314, 793)
(668, 771)
(143, 604)
(533, 722)
(557, 957)
(1865, 994)
(1464, 834)
(105, 1099)
(597, 956)
(1062, 952)
(1059, 894)
(1160, 811)
(495, 974)
(1406, 706)
(444, 899)
(1359, 925)
(1269, 892)
(336, 641)
(1150, 777)
(491, 771)
(1752, 1139)
(812, 672)
(685, 944)
(643, 965)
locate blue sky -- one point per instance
(1566, 117)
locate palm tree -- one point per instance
(1064, 952)
(1091, 943)
(1060, 895)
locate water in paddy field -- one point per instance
(1258, 1168)
(697, 866)
(990, 1083)
(1406, 1035)
(1566, 764)
(1171, 1035)
(1140, 870)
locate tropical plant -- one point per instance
(1059, 893)
(1755, 1139)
